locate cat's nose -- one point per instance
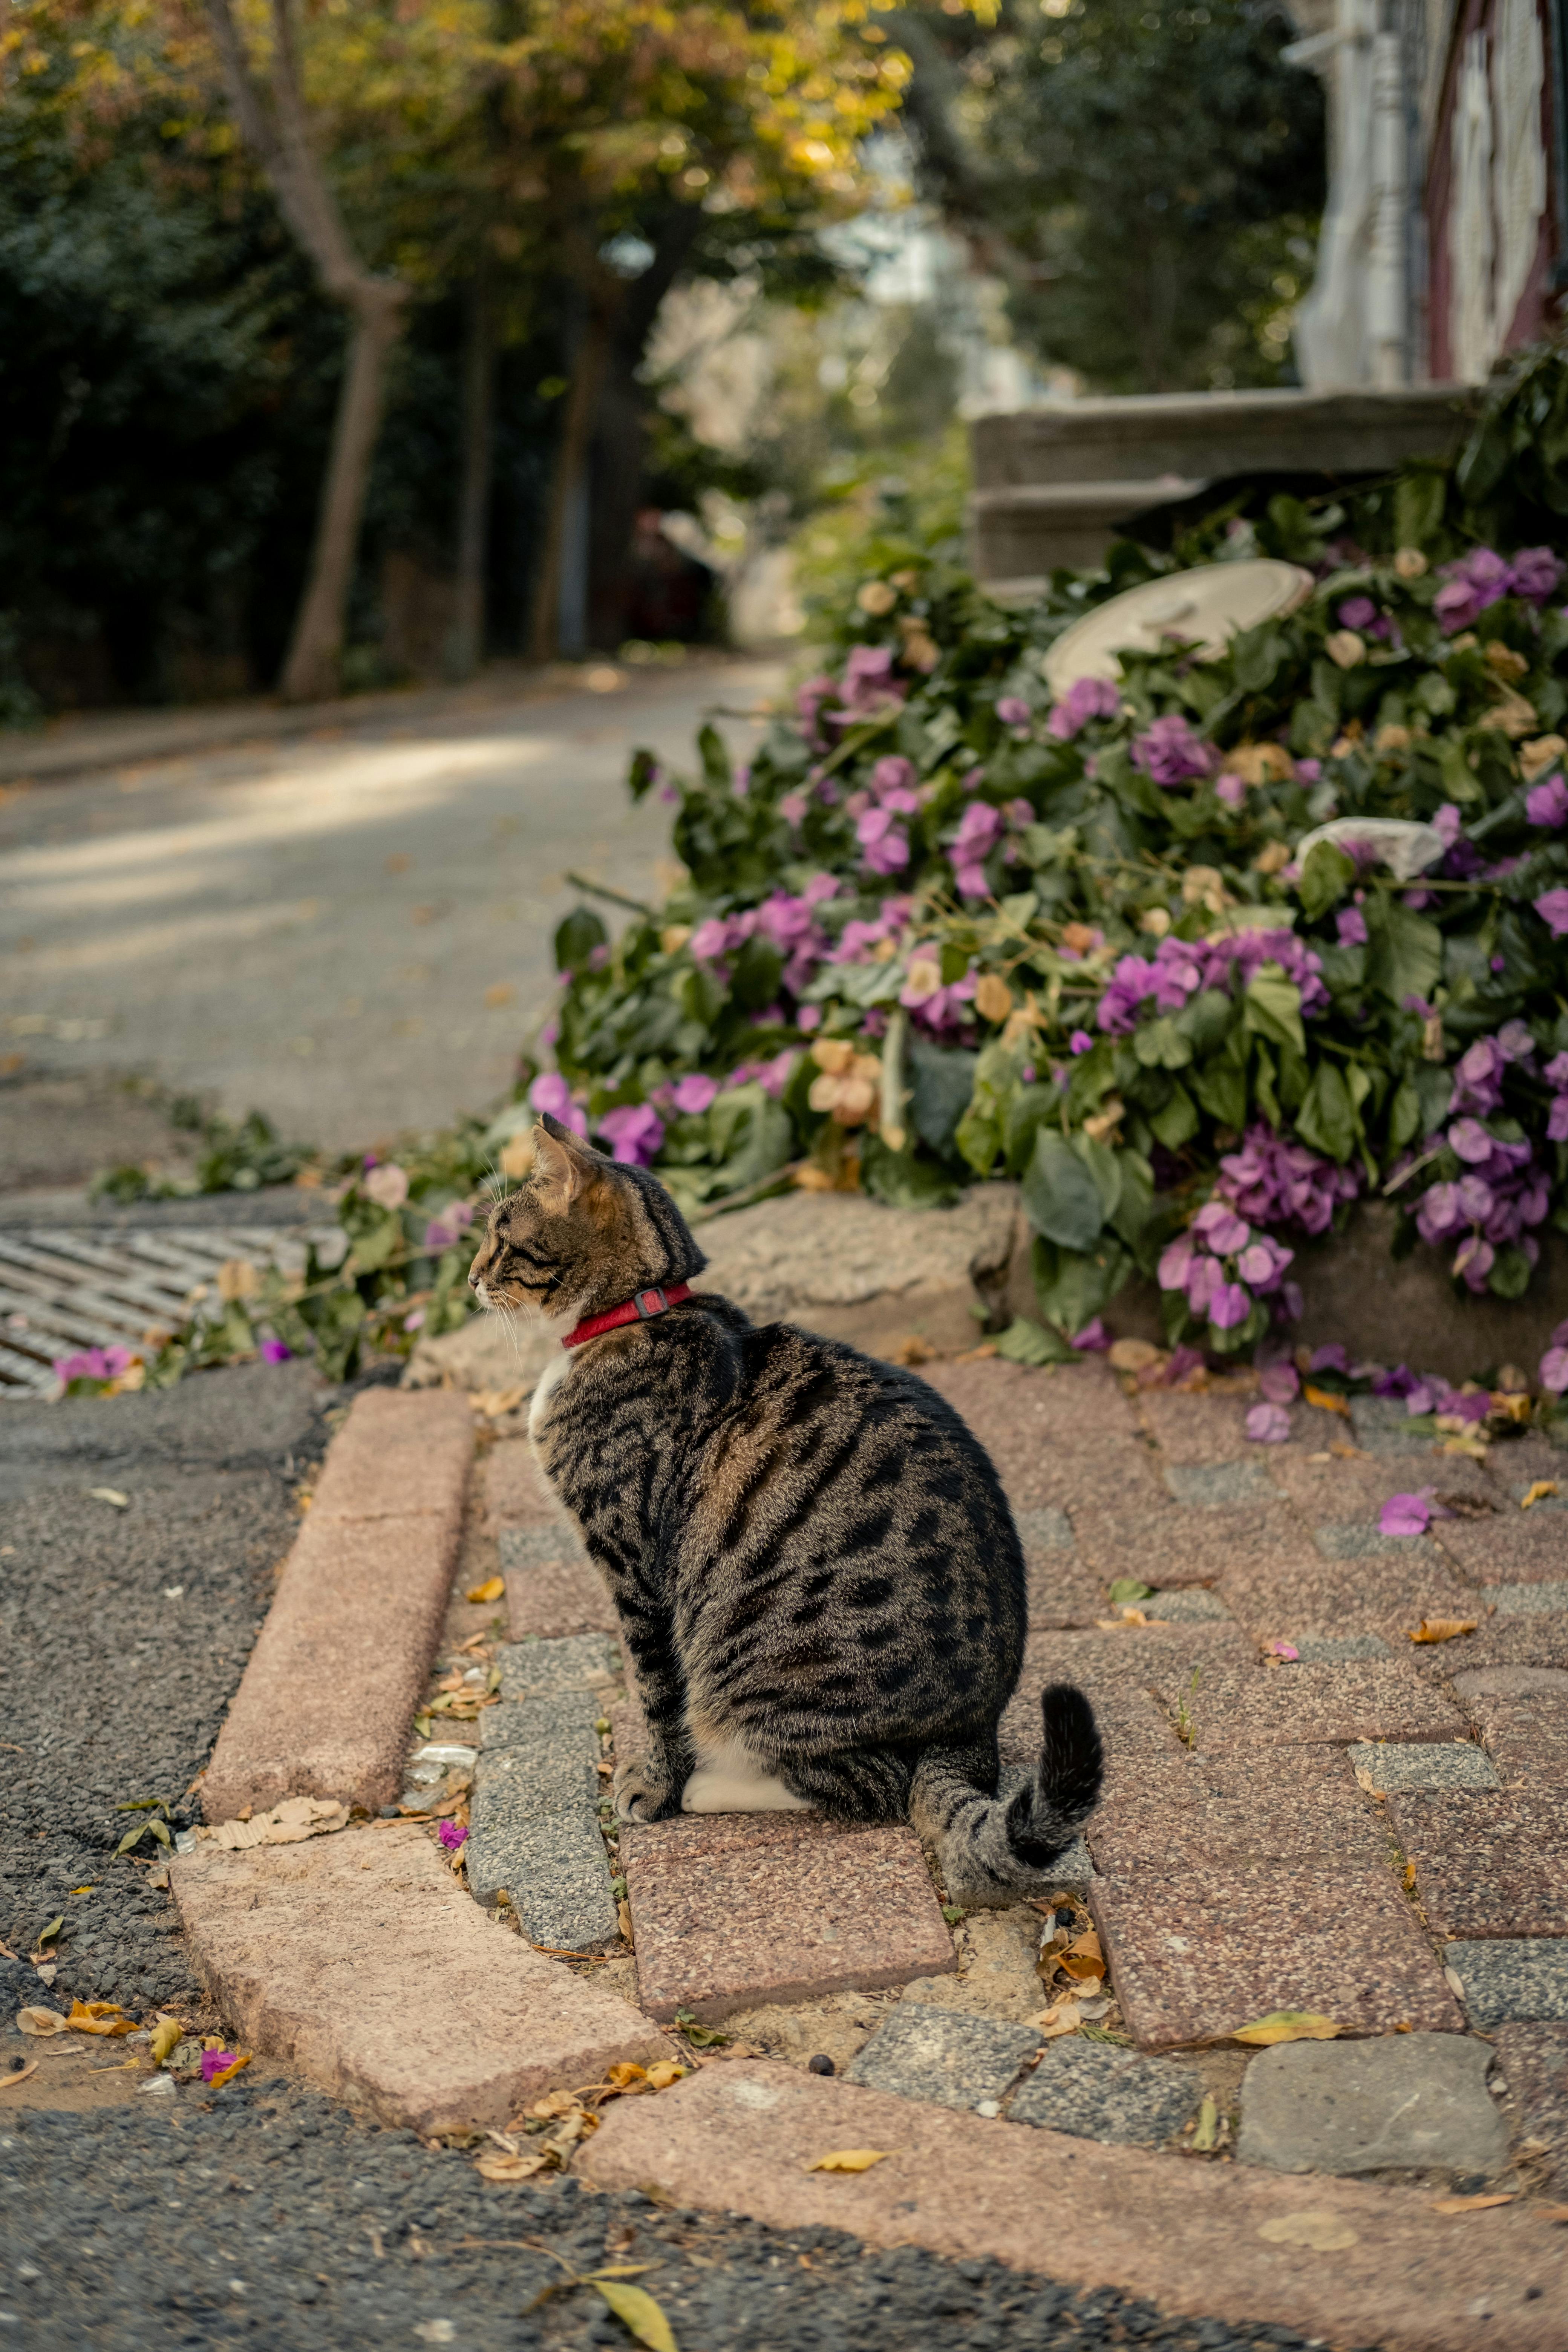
(476, 1272)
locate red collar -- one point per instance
(642, 1308)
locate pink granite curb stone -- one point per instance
(325, 1704)
(360, 1959)
(1347, 2262)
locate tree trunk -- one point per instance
(571, 457)
(315, 653)
(465, 645)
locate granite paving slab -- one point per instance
(1169, 1543)
(1513, 1547)
(552, 1588)
(1046, 1529)
(950, 2057)
(1197, 1952)
(1207, 1484)
(1529, 1641)
(1387, 1596)
(359, 1959)
(1534, 2063)
(1064, 1438)
(1094, 2091)
(1302, 1705)
(1136, 1657)
(1489, 1865)
(1197, 1427)
(1364, 1539)
(511, 1489)
(1526, 1735)
(534, 1832)
(1335, 1649)
(1156, 1833)
(1543, 1599)
(1413, 2101)
(1382, 1425)
(731, 1910)
(577, 1662)
(1192, 1604)
(1351, 1485)
(1062, 1591)
(1220, 2241)
(1523, 1981)
(1387, 1769)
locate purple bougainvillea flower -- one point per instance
(1175, 1262)
(1470, 1138)
(452, 1835)
(1086, 699)
(1357, 612)
(1231, 791)
(1547, 803)
(1014, 711)
(1332, 1358)
(695, 1093)
(1554, 1369)
(1231, 1305)
(1081, 1041)
(1406, 1514)
(216, 2061)
(635, 1133)
(1285, 1650)
(550, 1092)
(1552, 908)
(1169, 752)
(1221, 1228)
(1535, 573)
(1093, 1339)
(1279, 1383)
(273, 1351)
(1351, 925)
(1268, 1424)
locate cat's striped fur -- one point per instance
(814, 1563)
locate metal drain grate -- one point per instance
(60, 1291)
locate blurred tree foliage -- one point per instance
(1147, 177)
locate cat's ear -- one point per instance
(561, 1166)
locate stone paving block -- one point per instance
(1505, 1983)
(1216, 2242)
(1207, 1485)
(1345, 1487)
(1093, 2091)
(1070, 1437)
(945, 2056)
(1476, 1683)
(1297, 1704)
(400, 1454)
(327, 1697)
(1133, 1656)
(1336, 1649)
(1410, 2102)
(1364, 1539)
(1159, 1834)
(1540, 1600)
(733, 1909)
(1192, 1604)
(1196, 1953)
(514, 1491)
(1177, 1544)
(1489, 1865)
(1446, 1764)
(1497, 1641)
(566, 1717)
(552, 1588)
(579, 1662)
(1196, 1425)
(1535, 2062)
(1387, 1596)
(1526, 1735)
(1140, 1743)
(1382, 1425)
(359, 1959)
(1046, 1529)
(533, 1831)
(1511, 1548)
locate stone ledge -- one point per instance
(359, 1959)
(1353, 2264)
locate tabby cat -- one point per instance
(814, 1566)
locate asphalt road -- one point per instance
(261, 2213)
(350, 930)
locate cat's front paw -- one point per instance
(641, 1792)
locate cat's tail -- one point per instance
(994, 1847)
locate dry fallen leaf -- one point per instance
(166, 2036)
(494, 1403)
(227, 2073)
(490, 1590)
(1062, 2017)
(1537, 1492)
(1133, 1355)
(1083, 1958)
(1473, 2204)
(9, 2082)
(1442, 1629)
(497, 2165)
(99, 2017)
(637, 2310)
(40, 2020)
(992, 997)
(1326, 1400)
(1324, 2232)
(1287, 2025)
(110, 1495)
(663, 2072)
(288, 1823)
(625, 2075)
(849, 2159)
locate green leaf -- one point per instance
(1024, 1342)
(1073, 1287)
(47, 1934)
(1325, 1119)
(576, 936)
(1405, 952)
(1403, 1117)
(1327, 875)
(1060, 1197)
(1510, 1277)
(636, 2309)
(1206, 1021)
(1176, 1120)
(1272, 1008)
(903, 1179)
(1255, 656)
(1159, 1045)
(756, 974)
(159, 1830)
(1221, 1086)
(941, 1083)
(1127, 1588)
(717, 774)
(639, 780)
(374, 1249)
(1104, 1166)
(132, 1838)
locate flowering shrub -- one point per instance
(1203, 956)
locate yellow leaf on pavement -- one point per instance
(1326, 1400)
(1062, 2017)
(663, 2072)
(636, 2309)
(497, 2165)
(9, 2082)
(99, 2017)
(1287, 2025)
(1537, 1492)
(227, 2073)
(166, 2036)
(1473, 2204)
(1326, 2233)
(40, 2020)
(849, 2159)
(1442, 1629)
(490, 1590)
(110, 1495)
